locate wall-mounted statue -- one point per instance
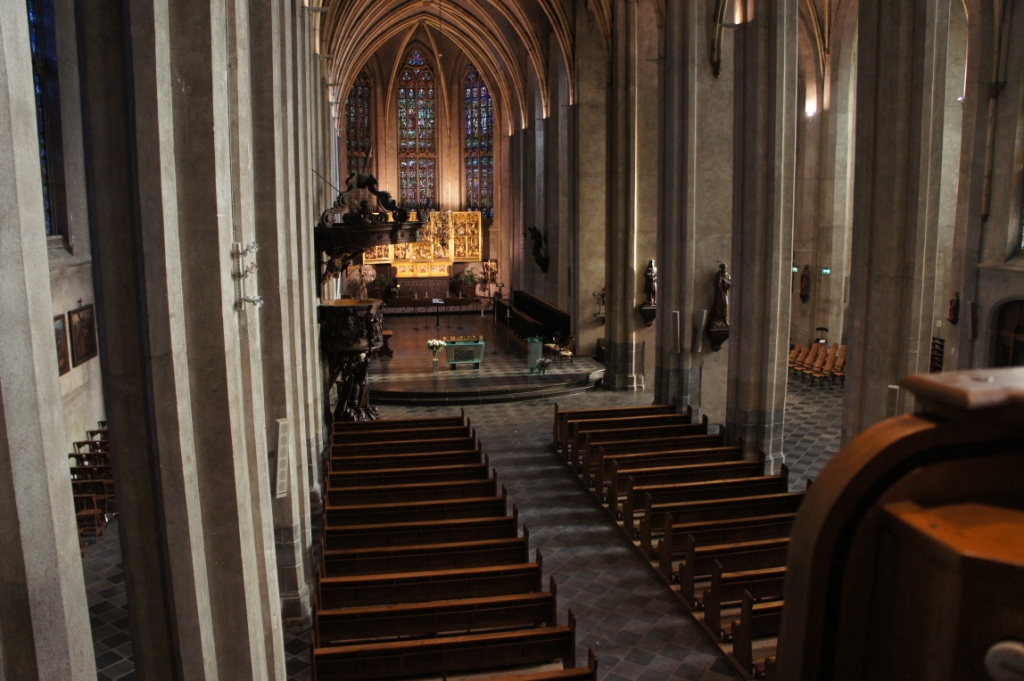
(651, 284)
(805, 283)
(540, 249)
(718, 320)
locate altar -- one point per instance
(464, 350)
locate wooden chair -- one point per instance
(567, 351)
(839, 368)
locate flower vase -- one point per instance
(437, 367)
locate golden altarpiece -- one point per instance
(448, 237)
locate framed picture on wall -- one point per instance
(83, 334)
(60, 331)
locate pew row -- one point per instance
(421, 532)
(727, 589)
(425, 557)
(630, 430)
(447, 655)
(678, 469)
(758, 619)
(444, 509)
(720, 509)
(671, 547)
(636, 451)
(418, 620)
(413, 587)
(748, 555)
(651, 502)
(560, 432)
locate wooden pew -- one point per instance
(671, 546)
(418, 620)
(425, 557)
(594, 435)
(404, 446)
(413, 587)
(448, 654)
(577, 430)
(758, 619)
(383, 476)
(468, 454)
(350, 439)
(588, 673)
(720, 509)
(562, 417)
(677, 470)
(421, 491)
(595, 461)
(727, 589)
(747, 555)
(421, 532)
(399, 424)
(445, 509)
(654, 500)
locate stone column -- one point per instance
(763, 198)
(696, 210)
(279, 328)
(44, 617)
(170, 166)
(621, 362)
(897, 191)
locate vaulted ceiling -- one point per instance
(509, 42)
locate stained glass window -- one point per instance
(357, 125)
(417, 136)
(479, 149)
(44, 77)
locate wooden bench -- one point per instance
(596, 461)
(630, 427)
(400, 424)
(418, 620)
(422, 491)
(445, 509)
(424, 557)
(678, 469)
(721, 509)
(747, 555)
(468, 454)
(351, 439)
(758, 619)
(727, 589)
(446, 655)
(671, 547)
(405, 446)
(562, 417)
(588, 673)
(421, 532)
(413, 587)
(590, 438)
(384, 476)
(655, 500)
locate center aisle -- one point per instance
(623, 611)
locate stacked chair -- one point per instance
(712, 524)
(92, 485)
(817, 363)
(423, 572)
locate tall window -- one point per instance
(42, 40)
(479, 151)
(417, 136)
(357, 124)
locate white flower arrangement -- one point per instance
(435, 345)
(542, 364)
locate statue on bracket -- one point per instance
(540, 249)
(649, 309)
(805, 284)
(718, 320)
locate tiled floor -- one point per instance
(637, 628)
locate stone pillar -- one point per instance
(591, 181)
(897, 193)
(280, 332)
(763, 198)
(620, 253)
(696, 210)
(44, 617)
(171, 185)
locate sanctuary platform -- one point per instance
(407, 375)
